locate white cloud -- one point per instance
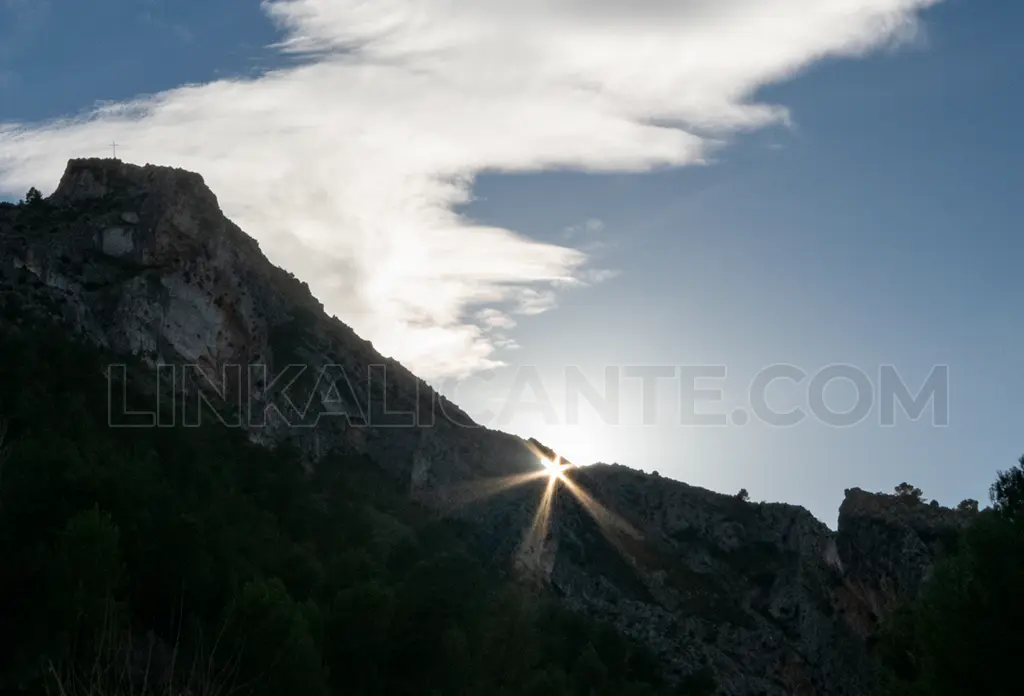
(491, 318)
(530, 301)
(504, 343)
(593, 276)
(347, 169)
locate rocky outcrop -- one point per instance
(888, 544)
(743, 587)
(141, 261)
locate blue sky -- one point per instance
(877, 227)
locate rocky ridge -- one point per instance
(142, 262)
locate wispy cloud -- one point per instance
(590, 229)
(348, 168)
(493, 319)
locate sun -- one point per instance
(554, 467)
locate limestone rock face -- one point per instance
(141, 261)
(888, 544)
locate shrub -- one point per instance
(33, 197)
(906, 490)
(969, 505)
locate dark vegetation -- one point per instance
(33, 198)
(963, 634)
(189, 561)
(906, 490)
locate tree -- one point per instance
(743, 495)
(33, 197)
(1007, 493)
(961, 635)
(969, 505)
(359, 625)
(279, 655)
(199, 562)
(84, 574)
(906, 490)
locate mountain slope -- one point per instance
(141, 262)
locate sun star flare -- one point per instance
(555, 467)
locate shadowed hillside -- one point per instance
(319, 546)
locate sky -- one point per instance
(521, 201)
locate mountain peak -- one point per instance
(93, 178)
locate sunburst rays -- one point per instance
(558, 473)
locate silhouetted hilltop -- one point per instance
(141, 263)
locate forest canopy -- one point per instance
(189, 560)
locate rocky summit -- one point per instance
(141, 262)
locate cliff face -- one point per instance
(889, 544)
(141, 261)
